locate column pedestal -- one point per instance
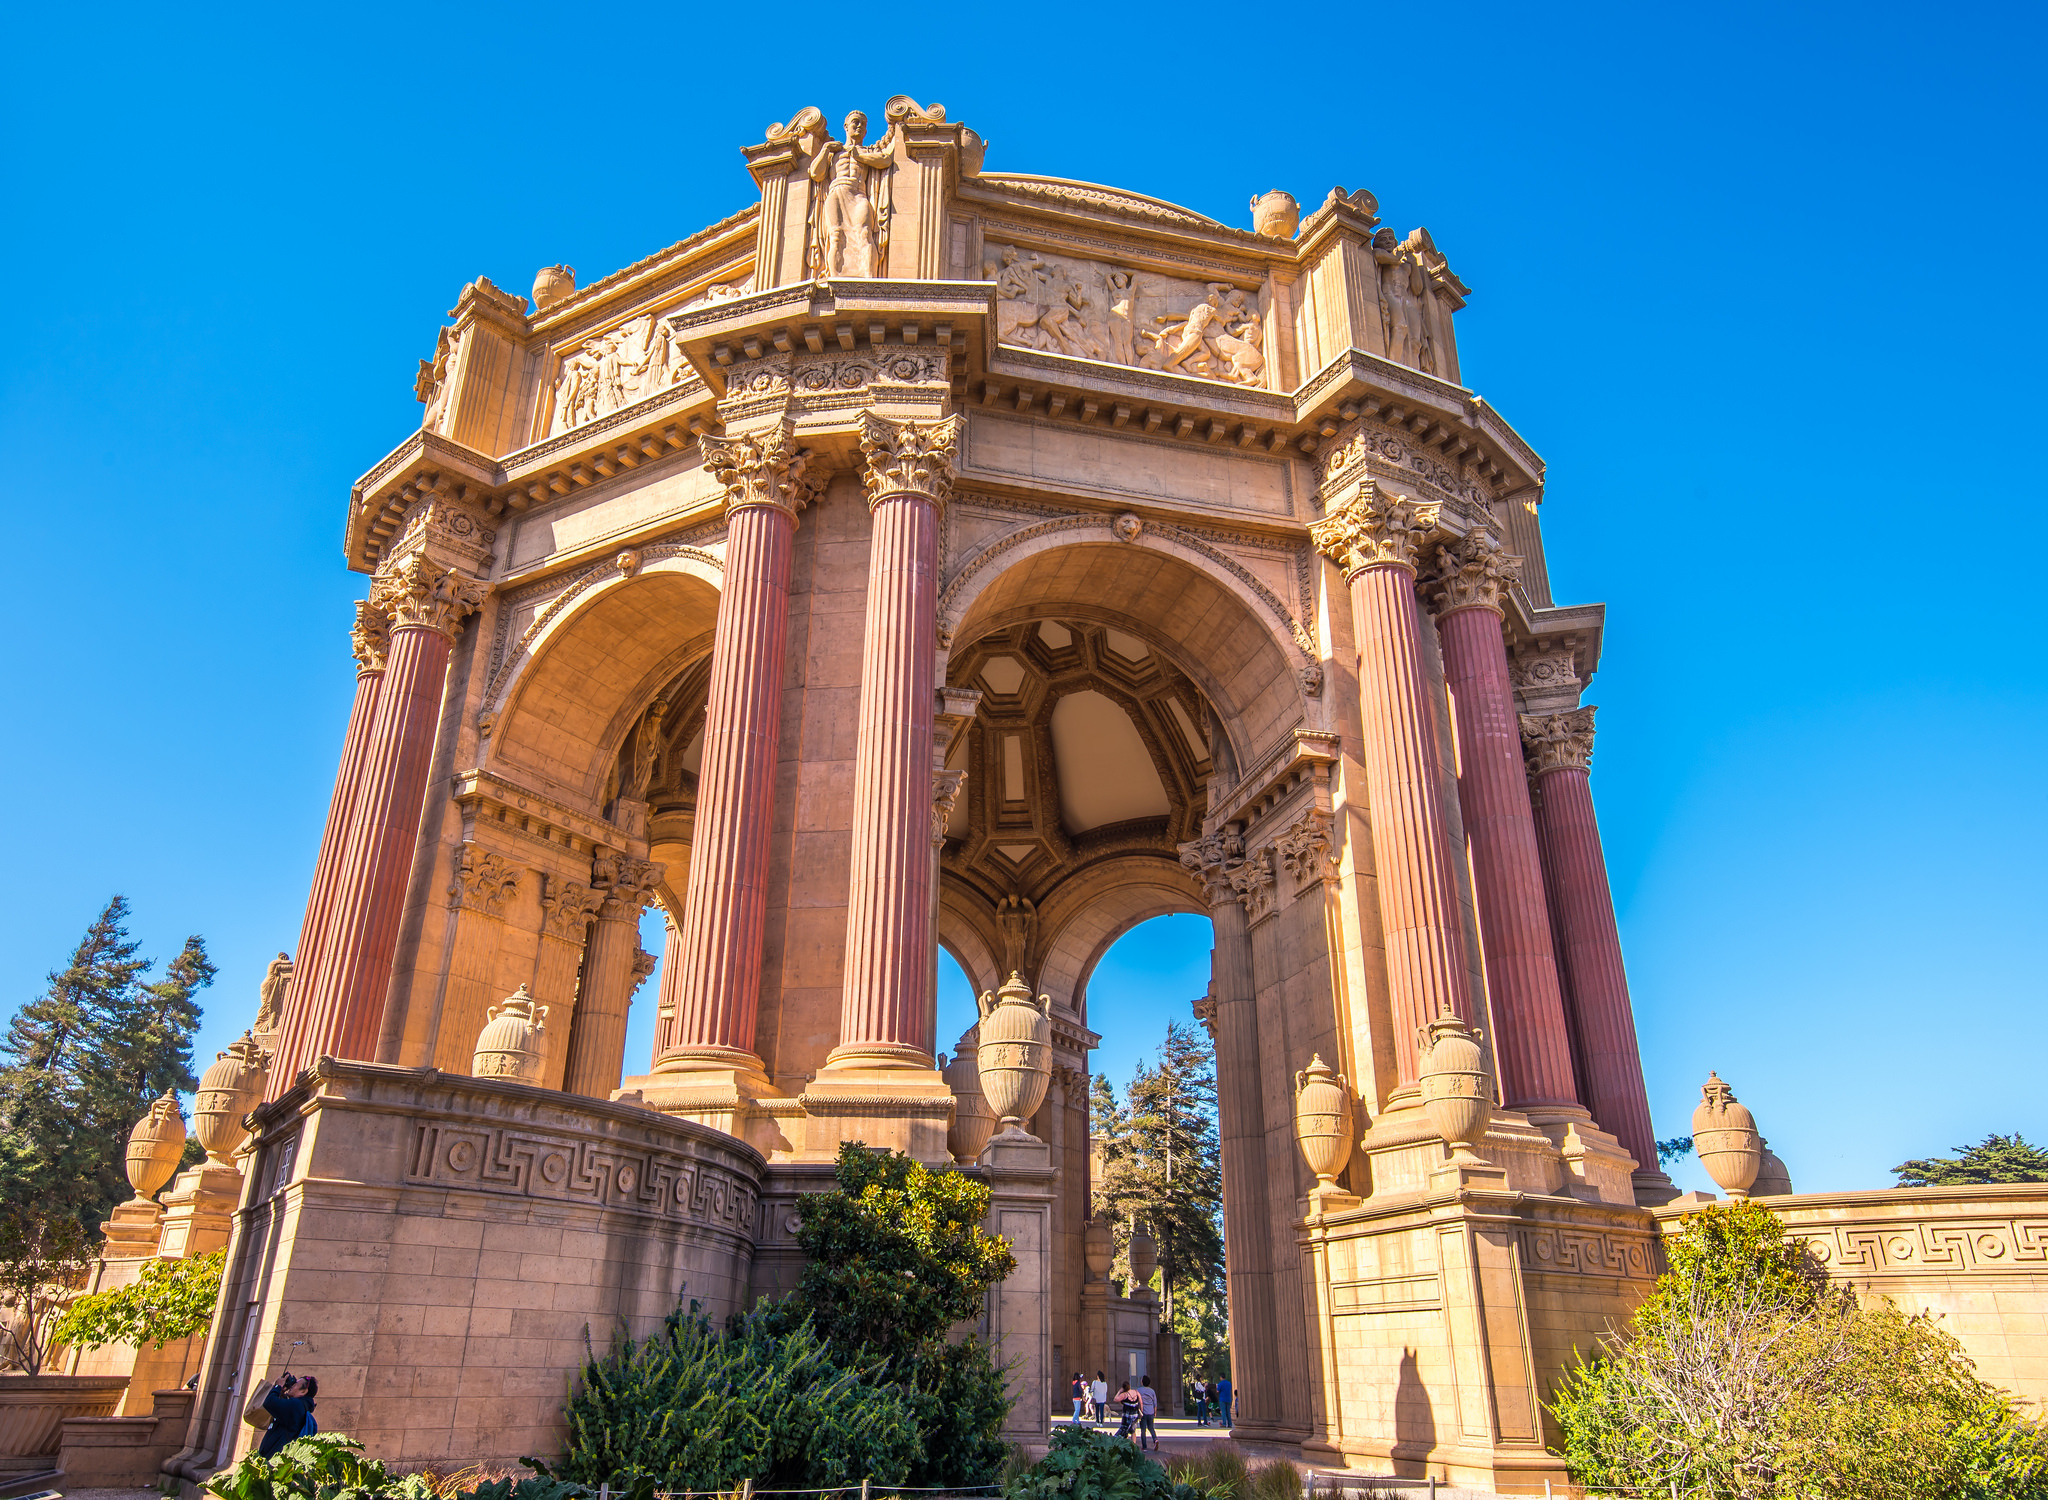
(1021, 1178)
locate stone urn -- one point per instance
(1144, 1260)
(228, 1090)
(551, 285)
(973, 1121)
(1724, 1136)
(1322, 1120)
(1456, 1096)
(1276, 215)
(509, 1046)
(1015, 1051)
(1098, 1247)
(154, 1146)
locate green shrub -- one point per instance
(326, 1466)
(1746, 1375)
(1218, 1470)
(171, 1299)
(1087, 1464)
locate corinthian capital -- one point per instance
(1210, 859)
(1374, 529)
(371, 636)
(908, 458)
(626, 884)
(761, 468)
(1474, 572)
(422, 594)
(483, 881)
(1558, 742)
(945, 792)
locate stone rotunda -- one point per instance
(932, 556)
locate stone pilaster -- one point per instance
(1560, 753)
(1531, 1040)
(482, 885)
(1378, 539)
(566, 909)
(717, 972)
(597, 1034)
(370, 639)
(344, 1006)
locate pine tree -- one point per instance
(82, 1062)
(1998, 1158)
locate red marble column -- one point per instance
(597, 1034)
(670, 988)
(1560, 749)
(885, 1018)
(371, 639)
(1531, 1039)
(716, 962)
(1378, 537)
(345, 1007)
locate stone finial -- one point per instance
(973, 1121)
(1098, 1247)
(1276, 215)
(231, 1086)
(1144, 1259)
(551, 284)
(1474, 572)
(1372, 528)
(1456, 1096)
(1558, 742)
(510, 1045)
(1322, 1120)
(154, 1146)
(908, 458)
(1015, 1051)
(1724, 1136)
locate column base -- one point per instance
(1652, 1187)
(1473, 1176)
(1402, 1150)
(1597, 1166)
(734, 1096)
(893, 1055)
(891, 1106)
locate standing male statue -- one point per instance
(852, 224)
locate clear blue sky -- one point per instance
(1762, 285)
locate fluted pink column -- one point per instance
(1378, 538)
(371, 638)
(717, 961)
(345, 1005)
(670, 989)
(597, 1033)
(885, 1016)
(1560, 750)
(1531, 1039)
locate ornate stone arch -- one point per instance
(1087, 914)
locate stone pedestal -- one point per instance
(1020, 1178)
(199, 1210)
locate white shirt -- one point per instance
(1098, 1391)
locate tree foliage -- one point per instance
(1997, 1158)
(169, 1300)
(1161, 1165)
(83, 1061)
(42, 1257)
(1746, 1374)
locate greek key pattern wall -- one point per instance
(1984, 1245)
(1585, 1252)
(594, 1174)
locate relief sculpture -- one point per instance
(1408, 269)
(1111, 313)
(616, 369)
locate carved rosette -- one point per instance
(945, 792)
(761, 468)
(1210, 859)
(1373, 529)
(370, 637)
(421, 594)
(1474, 572)
(1558, 742)
(908, 458)
(1544, 671)
(1306, 850)
(483, 881)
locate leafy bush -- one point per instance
(171, 1299)
(1085, 1463)
(1218, 1470)
(326, 1466)
(42, 1257)
(1746, 1374)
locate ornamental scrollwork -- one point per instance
(483, 881)
(422, 594)
(1474, 572)
(1372, 528)
(908, 458)
(1558, 742)
(1307, 852)
(370, 638)
(760, 468)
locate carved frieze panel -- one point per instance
(822, 388)
(615, 369)
(1375, 448)
(533, 1163)
(1092, 309)
(2018, 1245)
(1586, 1252)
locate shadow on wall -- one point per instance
(1414, 1419)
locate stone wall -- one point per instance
(442, 1250)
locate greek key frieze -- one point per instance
(595, 1174)
(1981, 1245)
(1585, 1252)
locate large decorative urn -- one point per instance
(1098, 1247)
(1724, 1136)
(1015, 1056)
(154, 1146)
(973, 1121)
(1144, 1260)
(551, 285)
(509, 1046)
(1276, 215)
(1456, 1097)
(228, 1090)
(1322, 1120)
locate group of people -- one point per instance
(1137, 1406)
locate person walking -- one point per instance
(1223, 1395)
(1098, 1395)
(1201, 1402)
(1148, 1410)
(1080, 1394)
(1128, 1407)
(290, 1404)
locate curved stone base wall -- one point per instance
(438, 1248)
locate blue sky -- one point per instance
(1761, 284)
